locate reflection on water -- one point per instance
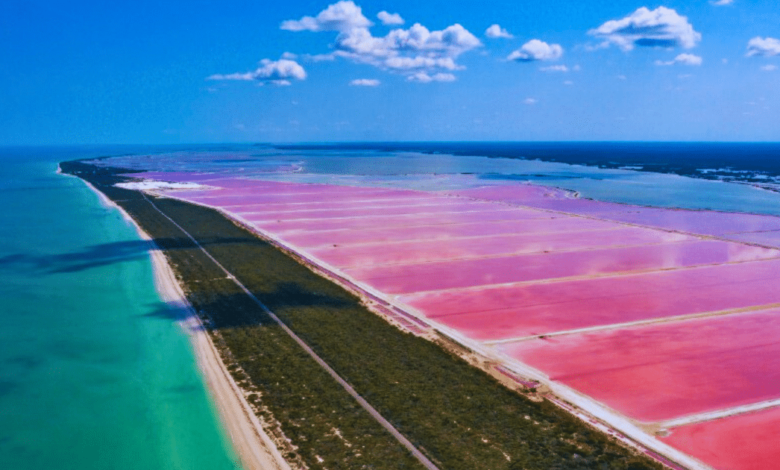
(439, 172)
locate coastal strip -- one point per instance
(254, 447)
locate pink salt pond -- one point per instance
(544, 308)
(639, 308)
(448, 274)
(546, 239)
(663, 371)
(743, 442)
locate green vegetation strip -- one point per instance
(459, 416)
(374, 414)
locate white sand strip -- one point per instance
(253, 446)
(718, 414)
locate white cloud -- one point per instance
(568, 82)
(320, 57)
(341, 16)
(662, 27)
(530, 101)
(365, 82)
(685, 59)
(722, 2)
(765, 47)
(451, 41)
(421, 62)
(415, 52)
(555, 68)
(289, 55)
(390, 18)
(536, 50)
(622, 77)
(422, 77)
(273, 72)
(769, 68)
(496, 31)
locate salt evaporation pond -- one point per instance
(660, 316)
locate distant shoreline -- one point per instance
(249, 440)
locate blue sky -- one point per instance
(207, 71)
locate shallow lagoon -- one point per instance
(440, 171)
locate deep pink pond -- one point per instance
(331, 205)
(744, 442)
(517, 311)
(486, 212)
(476, 272)
(415, 252)
(345, 205)
(664, 371)
(428, 232)
(400, 222)
(260, 198)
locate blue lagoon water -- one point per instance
(94, 371)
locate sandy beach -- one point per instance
(253, 446)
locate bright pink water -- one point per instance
(397, 222)
(544, 240)
(516, 311)
(438, 211)
(744, 442)
(667, 370)
(475, 272)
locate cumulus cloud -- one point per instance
(769, 68)
(555, 68)
(423, 77)
(421, 62)
(685, 59)
(662, 27)
(496, 31)
(340, 16)
(416, 52)
(765, 47)
(536, 50)
(365, 82)
(278, 72)
(451, 41)
(390, 18)
(720, 3)
(530, 101)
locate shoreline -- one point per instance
(252, 445)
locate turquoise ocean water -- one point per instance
(94, 371)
